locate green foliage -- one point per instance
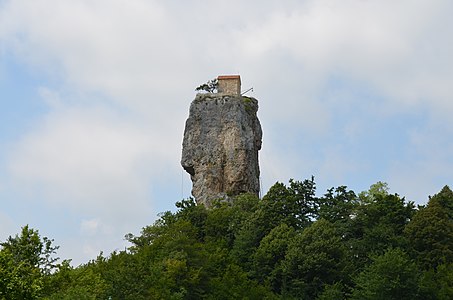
(332, 292)
(210, 87)
(378, 189)
(25, 262)
(390, 276)
(235, 284)
(80, 283)
(29, 248)
(268, 258)
(315, 257)
(337, 205)
(290, 244)
(431, 231)
(377, 224)
(18, 280)
(437, 283)
(248, 104)
(294, 205)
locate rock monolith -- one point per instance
(222, 138)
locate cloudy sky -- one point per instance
(94, 96)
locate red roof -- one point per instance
(223, 77)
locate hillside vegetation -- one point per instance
(291, 244)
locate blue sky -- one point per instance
(94, 96)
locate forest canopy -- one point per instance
(291, 244)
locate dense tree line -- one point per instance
(291, 244)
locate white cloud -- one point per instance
(89, 227)
(402, 49)
(96, 163)
(127, 50)
(134, 51)
(50, 97)
(94, 226)
(93, 156)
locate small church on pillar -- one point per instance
(229, 84)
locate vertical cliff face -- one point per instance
(220, 147)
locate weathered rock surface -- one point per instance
(220, 147)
